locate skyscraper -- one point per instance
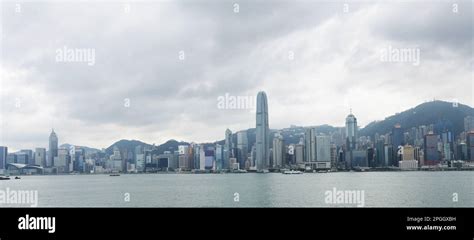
(227, 149)
(278, 151)
(242, 146)
(40, 156)
(262, 133)
(310, 145)
(431, 155)
(53, 148)
(351, 132)
(3, 157)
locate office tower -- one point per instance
(79, 158)
(29, 156)
(242, 146)
(53, 148)
(323, 149)
(351, 132)
(379, 154)
(262, 140)
(40, 156)
(323, 152)
(388, 155)
(371, 157)
(359, 158)
(310, 145)
(22, 157)
(333, 156)
(3, 157)
(397, 136)
(61, 162)
(278, 151)
(431, 154)
(219, 157)
(202, 158)
(253, 155)
(470, 146)
(469, 123)
(299, 153)
(408, 153)
(291, 158)
(228, 146)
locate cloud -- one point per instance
(313, 60)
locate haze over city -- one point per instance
(160, 67)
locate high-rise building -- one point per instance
(61, 162)
(469, 123)
(53, 148)
(431, 154)
(22, 157)
(408, 153)
(310, 145)
(333, 156)
(40, 156)
(379, 153)
(470, 146)
(351, 132)
(262, 140)
(323, 149)
(299, 153)
(219, 156)
(29, 156)
(278, 151)
(242, 147)
(3, 157)
(228, 146)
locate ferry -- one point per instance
(4, 178)
(292, 172)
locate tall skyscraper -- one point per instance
(310, 145)
(242, 146)
(227, 148)
(470, 146)
(262, 133)
(351, 132)
(278, 151)
(53, 148)
(3, 157)
(40, 156)
(323, 149)
(431, 154)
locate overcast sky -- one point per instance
(160, 67)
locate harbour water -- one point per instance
(380, 189)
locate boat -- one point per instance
(4, 178)
(114, 175)
(17, 177)
(292, 172)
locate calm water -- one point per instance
(382, 189)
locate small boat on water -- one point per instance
(114, 175)
(17, 177)
(4, 178)
(292, 172)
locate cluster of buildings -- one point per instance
(432, 146)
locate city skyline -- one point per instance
(348, 121)
(166, 85)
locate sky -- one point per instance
(98, 72)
